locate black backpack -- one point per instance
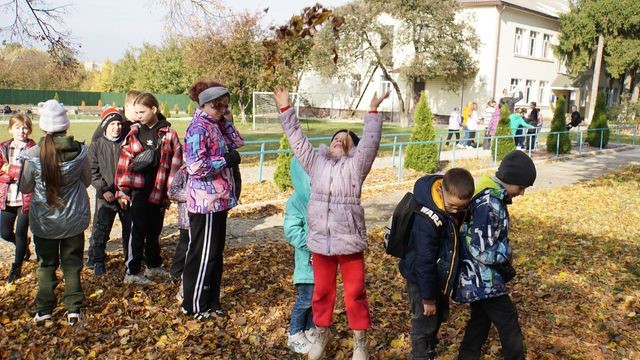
(398, 229)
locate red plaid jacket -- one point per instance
(170, 162)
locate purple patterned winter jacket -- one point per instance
(211, 183)
(335, 216)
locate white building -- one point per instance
(515, 54)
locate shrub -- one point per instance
(504, 139)
(559, 127)
(100, 103)
(56, 97)
(598, 131)
(282, 176)
(422, 157)
(165, 110)
(176, 108)
(190, 109)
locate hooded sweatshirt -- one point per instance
(296, 228)
(431, 260)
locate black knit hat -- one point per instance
(517, 169)
(353, 136)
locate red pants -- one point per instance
(325, 269)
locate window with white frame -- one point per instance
(385, 85)
(517, 45)
(562, 67)
(355, 87)
(533, 43)
(515, 85)
(543, 99)
(583, 97)
(528, 91)
(546, 46)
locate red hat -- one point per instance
(108, 115)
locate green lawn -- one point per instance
(264, 132)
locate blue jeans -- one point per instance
(301, 315)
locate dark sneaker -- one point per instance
(89, 263)
(98, 269)
(27, 255)
(41, 316)
(14, 273)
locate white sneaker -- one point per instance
(460, 146)
(40, 317)
(518, 148)
(311, 334)
(180, 293)
(73, 318)
(137, 279)
(298, 343)
(157, 272)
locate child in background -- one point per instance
(296, 230)
(15, 205)
(57, 173)
(178, 193)
(517, 124)
(454, 126)
(104, 153)
(431, 263)
(129, 115)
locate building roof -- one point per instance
(549, 8)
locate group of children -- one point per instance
(463, 254)
(463, 251)
(132, 162)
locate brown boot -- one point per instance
(360, 345)
(317, 349)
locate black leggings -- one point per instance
(12, 215)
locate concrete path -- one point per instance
(552, 173)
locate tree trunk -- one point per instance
(596, 79)
(404, 119)
(243, 111)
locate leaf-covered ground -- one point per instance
(578, 294)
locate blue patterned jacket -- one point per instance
(485, 242)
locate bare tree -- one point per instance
(37, 21)
(195, 17)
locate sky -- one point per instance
(106, 29)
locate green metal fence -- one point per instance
(76, 98)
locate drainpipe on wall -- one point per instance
(495, 66)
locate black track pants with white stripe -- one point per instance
(203, 266)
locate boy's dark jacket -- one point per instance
(431, 260)
(103, 157)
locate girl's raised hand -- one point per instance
(282, 97)
(375, 102)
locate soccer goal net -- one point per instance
(266, 111)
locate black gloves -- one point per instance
(232, 158)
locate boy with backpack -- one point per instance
(430, 263)
(486, 257)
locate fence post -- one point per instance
(634, 135)
(557, 144)
(601, 136)
(393, 153)
(261, 162)
(400, 164)
(581, 141)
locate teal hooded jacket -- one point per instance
(296, 229)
